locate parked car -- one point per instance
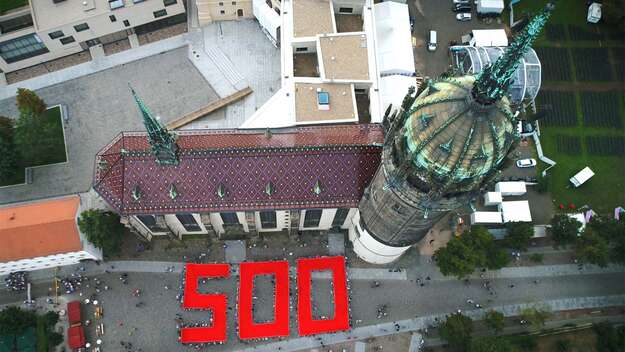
(432, 42)
(463, 17)
(462, 2)
(523, 163)
(461, 8)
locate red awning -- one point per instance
(76, 337)
(73, 312)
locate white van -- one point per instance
(432, 41)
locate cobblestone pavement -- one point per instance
(152, 327)
(100, 106)
(50, 66)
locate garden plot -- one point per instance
(606, 146)
(578, 33)
(556, 65)
(592, 64)
(571, 145)
(560, 108)
(601, 109)
(618, 56)
(555, 32)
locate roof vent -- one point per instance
(136, 193)
(317, 189)
(221, 191)
(173, 192)
(323, 100)
(268, 133)
(269, 190)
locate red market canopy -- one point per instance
(76, 337)
(73, 312)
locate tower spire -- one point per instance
(493, 82)
(163, 142)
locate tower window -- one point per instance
(56, 34)
(268, 219)
(126, 23)
(67, 40)
(312, 217)
(160, 13)
(81, 27)
(113, 18)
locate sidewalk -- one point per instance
(419, 323)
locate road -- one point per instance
(406, 299)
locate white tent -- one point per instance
(486, 217)
(492, 198)
(269, 20)
(489, 37)
(512, 188)
(516, 211)
(582, 177)
(393, 39)
(393, 89)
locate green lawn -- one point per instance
(579, 111)
(6, 5)
(42, 334)
(55, 151)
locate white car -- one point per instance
(523, 163)
(462, 2)
(462, 17)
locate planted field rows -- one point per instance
(601, 109)
(556, 65)
(559, 108)
(606, 146)
(571, 145)
(618, 56)
(592, 64)
(555, 32)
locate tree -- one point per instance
(613, 231)
(14, 320)
(51, 318)
(103, 229)
(54, 338)
(473, 249)
(564, 229)
(564, 345)
(609, 339)
(592, 248)
(518, 235)
(27, 100)
(8, 151)
(537, 257)
(536, 317)
(456, 330)
(494, 320)
(613, 13)
(492, 344)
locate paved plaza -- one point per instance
(100, 106)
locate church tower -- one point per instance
(440, 149)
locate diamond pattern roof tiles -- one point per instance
(342, 158)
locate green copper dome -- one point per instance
(453, 141)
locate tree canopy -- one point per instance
(473, 249)
(456, 330)
(536, 317)
(8, 151)
(494, 320)
(27, 100)
(564, 229)
(592, 248)
(492, 344)
(518, 235)
(103, 229)
(15, 320)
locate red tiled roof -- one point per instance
(39, 229)
(343, 158)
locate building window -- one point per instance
(240, 13)
(234, 3)
(67, 40)
(160, 13)
(346, 10)
(81, 27)
(268, 219)
(229, 218)
(339, 217)
(113, 18)
(137, 1)
(126, 23)
(222, 12)
(92, 42)
(312, 217)
(221, 4)
(16, 23)
(22, 48)
(188, 222)
(116, 4)
(169, 2)
(56, 34)
(299, 50)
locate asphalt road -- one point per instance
(156, 330)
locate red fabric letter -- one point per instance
(195, 300)
(280, 325)
(340, 321)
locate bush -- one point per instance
(54, 338)
(27, 100)
(103, 229)
(51, 318)
(537, 257)
(456, 330)
(564, 345)
(542, 184)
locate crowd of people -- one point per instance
(17, 281)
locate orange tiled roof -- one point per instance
(39, 229)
